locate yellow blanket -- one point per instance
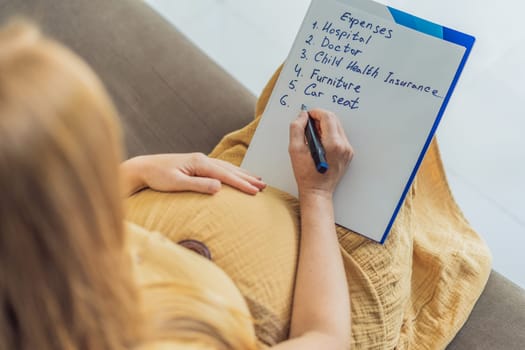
(417, 290)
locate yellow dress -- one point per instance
(415, 291)
(158, 261)
(259, 255)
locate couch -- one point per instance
(172, 98)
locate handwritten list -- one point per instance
(341, 44)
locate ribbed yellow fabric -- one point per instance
(413, 292)
(253, 239)
(157, 261)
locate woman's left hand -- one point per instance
(185, 172)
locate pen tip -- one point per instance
(304, 108)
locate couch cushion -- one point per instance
(497, 320)
(171, 97)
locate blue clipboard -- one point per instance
(440, 32)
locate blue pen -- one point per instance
(316, 147)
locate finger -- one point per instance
(215, 171)
(228, 165)
(328, 122)
(341, 129)
(344, 137)
(257, 182)
(242, 173)
(199, 184)
(243, 185)
(297, 127)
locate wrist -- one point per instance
(133, 174)
(316, 200)
(317, 211)
(315, 193)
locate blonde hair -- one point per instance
(65, 276)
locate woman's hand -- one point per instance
(321, 308)
(185, 172)
(339, 153)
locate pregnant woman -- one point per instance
(72, 276)
(89, 245)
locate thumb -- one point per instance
(199, 184)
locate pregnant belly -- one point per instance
(254, 239)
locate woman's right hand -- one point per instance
(338, 150)
(321, 308)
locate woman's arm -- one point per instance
(185, 172)
(321, 309)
